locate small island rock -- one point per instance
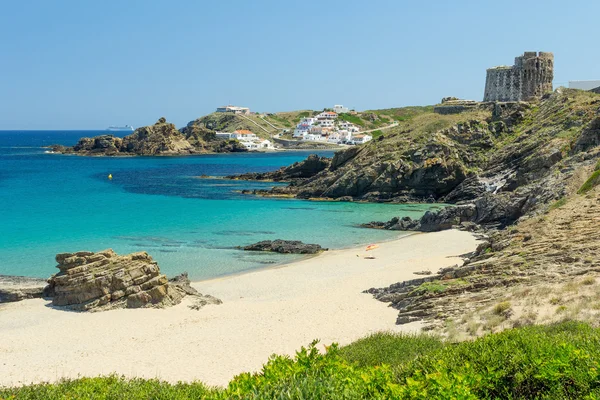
(285, 247)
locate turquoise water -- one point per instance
(52, 203)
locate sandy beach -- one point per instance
(263, 312)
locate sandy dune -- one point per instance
(268, 311)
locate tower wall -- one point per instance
(530, 77)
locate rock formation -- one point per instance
(104, 280)
(299, 170)
(160, 139)
(285, 247)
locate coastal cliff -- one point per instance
(160, 139)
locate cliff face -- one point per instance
(162, 138)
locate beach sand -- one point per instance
(268, 311)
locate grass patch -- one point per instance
(592, 182)
(558, 203)
(376, 134)
(353, 119)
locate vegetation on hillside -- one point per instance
(554, 362)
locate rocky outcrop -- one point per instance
(17, 288)
(105, 280)
(285, 247)
(300, 170)
(160, 139)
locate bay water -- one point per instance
(53, 203)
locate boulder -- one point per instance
(285, 247)
(105, 280)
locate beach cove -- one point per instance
(268, 311)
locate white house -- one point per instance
(327, 123)
(301, 130)
(361, 138)
(320, 130)
(234, 110)
(224, 135)
(244, 135)
(307, 121)
(314, 137)
(349, 126)
(258, 144)
(326, 115)
(338, 108)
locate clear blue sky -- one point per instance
(72, 64)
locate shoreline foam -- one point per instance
(274, 310)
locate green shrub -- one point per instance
(502, 308)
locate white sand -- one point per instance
(263, 312)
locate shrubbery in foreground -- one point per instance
(556, 362)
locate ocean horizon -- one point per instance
(62, 203)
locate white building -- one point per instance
(301, 130)
(326, 115)
(361, 139)
(314, 137)
(224, 135)
(340, 109)
(350, 127)
(234, 110)
(307, 121)
(584, 85)
(243, 135)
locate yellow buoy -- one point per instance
(109, 176)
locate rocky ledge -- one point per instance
(285, 247)
(298, 171)
(17, 288)
(105, 280)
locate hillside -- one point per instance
(266, 125)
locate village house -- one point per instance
(326, 115)
(361, 138)
(340, 109)
(234, 110)
(247, 138)
(307, 121)
(244, 135)
(301, 130)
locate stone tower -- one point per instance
(529, 78)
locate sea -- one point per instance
(52, 203)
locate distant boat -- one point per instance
(128, 128)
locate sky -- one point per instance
(72, 64)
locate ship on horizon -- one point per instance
(128, 128)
